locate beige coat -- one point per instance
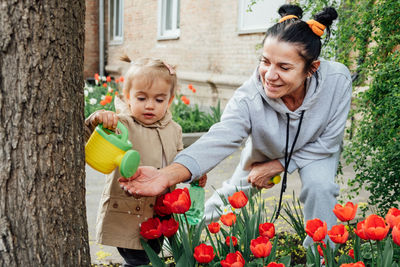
(120, 215)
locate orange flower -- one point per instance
(178, 200)
(396, 234)
(393, 217)
(214, 227)
(267, 230)
(360, 230)
(161, 209)
(185, 100)
(346, 213)
(238, 200)
(338, 234)
(103, 102)
(110, 90)
(357, 264)
(116, 92)
(203, 253)
(108, 79)
(97, 77)
(121, 79)
(228, 219)
(108, 99)
(316, 229)
(274, 264)
(260, 247)
(169, 227)
(117, 80)
(320, 250)
(104, 85)
(151, 229)
(228, 241)
(351, 253)
(375, 227)
(191, 88)
(233, 260)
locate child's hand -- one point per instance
(108, 118)
(203, 180)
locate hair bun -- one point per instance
(326, 16)
(285, 10)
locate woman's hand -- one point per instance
(108, 118)
(149, 181)
(261, 174)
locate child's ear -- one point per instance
(170, 100)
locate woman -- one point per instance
(293, 109)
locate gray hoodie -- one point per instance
(250, 113)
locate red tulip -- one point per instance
(103, 102)
(108, 98)
(178, 200)
(228, 219)
(97, 77)
(151, 229)
(375, 227)
(274, 264)
(260, 247)
(360, 230)
(169, 227)
(396, 234)
(233, 260)
(346, 213)
(338, 234)
(320, 250)
(267, 230)
(214, 227)
(104, 85)
(351, 253)
(108, 79)
(357, 264)
(204, 253)
(393, 217)
(121, 79)
(161, 209)
(228, 241)
(238, 200)
(316, 229)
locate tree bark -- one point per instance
(42, 177)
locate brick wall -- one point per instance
(209, 53)
(91, 54)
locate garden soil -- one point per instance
(105, 255)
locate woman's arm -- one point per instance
(149, 181)
(261, 173)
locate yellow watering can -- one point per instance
(107, 150)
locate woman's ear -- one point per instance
(170, 100)
(314, 67)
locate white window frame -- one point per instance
(244, 27)
(116, 39)
(163, 33)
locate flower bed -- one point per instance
(245, 237)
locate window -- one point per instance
(168, 19)
(261, 16)
(116, 21)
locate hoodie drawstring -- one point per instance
(287, 158)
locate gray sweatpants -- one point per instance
(318, 191)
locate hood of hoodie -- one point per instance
(313, 89)
(122, 109)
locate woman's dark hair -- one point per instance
(295, 30)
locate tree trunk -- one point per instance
(42, 178)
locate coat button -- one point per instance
(151, 205)
(115, 205)
(137, 208)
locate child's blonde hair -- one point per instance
(148, 69)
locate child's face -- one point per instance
(149, 104)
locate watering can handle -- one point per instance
(124, 132)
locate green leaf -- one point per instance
(388, 253)
(154, 259)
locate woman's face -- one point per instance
(282, 69)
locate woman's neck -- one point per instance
(294, 100)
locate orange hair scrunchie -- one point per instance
(288, 17)
(316, 27)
